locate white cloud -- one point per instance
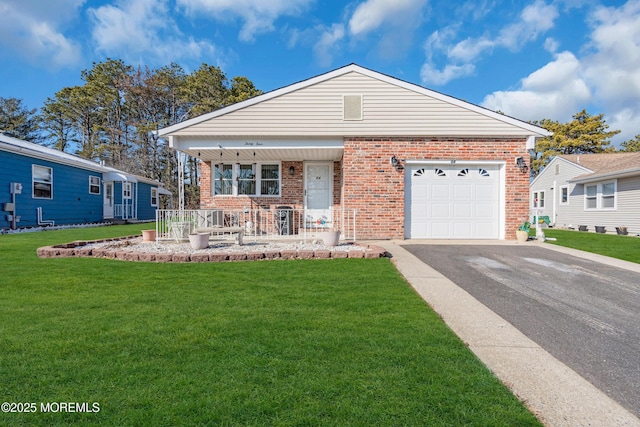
(613, 67)
(430, 74)
(534, 20)
(326, 45)
(32, 29)
(143, 28)
(555, 91)
(258, 15)
(371, 14)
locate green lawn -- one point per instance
(623, 247)
(275, 343)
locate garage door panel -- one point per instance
(462, 191)
(440, 191)
(440, 210)
(463, 211)
(453, 202)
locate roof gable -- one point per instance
(390, 104)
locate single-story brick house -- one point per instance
(411, 162)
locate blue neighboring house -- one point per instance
(41, 186)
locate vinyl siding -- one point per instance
(317, 111)
(573, 214)
(626, 212)
(551, 183)
(145, 210)
(71, 203)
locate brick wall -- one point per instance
(376, 189)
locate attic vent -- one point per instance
(352, 107)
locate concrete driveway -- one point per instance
(585, 312)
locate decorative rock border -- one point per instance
(78, 249)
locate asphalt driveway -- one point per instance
(585, 313)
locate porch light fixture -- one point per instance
(292, 170)
(396, 163)
(521, 164)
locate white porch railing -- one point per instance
(258, 223)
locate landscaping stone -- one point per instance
(322, 254)
(131, 248)
(305, 254)
(200, 257)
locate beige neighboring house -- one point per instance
(590, 190)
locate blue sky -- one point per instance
(532, 60)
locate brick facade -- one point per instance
(365, 180)
(376, 189)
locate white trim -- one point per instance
(560, 202)
(33, 182)
(600, 196)
(127, 187)
(99, 184)
(154, 190)
(535, 130)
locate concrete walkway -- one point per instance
(556, 394)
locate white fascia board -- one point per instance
(45, 153)
(535, 130)
(606, 176)
(192, 144)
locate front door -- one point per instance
(107, 205)
(318, 190)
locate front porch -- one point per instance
(262, 223)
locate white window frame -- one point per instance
(563, 189)
(126, 190)
(40, 181)
(613, 196)
(154, 197)
(94, 185)
(600, 196)
(258, 179)
(538, 199)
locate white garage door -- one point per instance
(453, 201)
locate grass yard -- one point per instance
(277, 343)
(621, 247)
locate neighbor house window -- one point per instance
(154, 197)
(564, 195)
(609, 195)
(590, 196)
(126, 190)
(42, 178)
(538, 199)
(247, 179)
(94, 185)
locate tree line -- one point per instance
(111, 117)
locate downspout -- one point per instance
(555, 186)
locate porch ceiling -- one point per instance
(259, 154)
